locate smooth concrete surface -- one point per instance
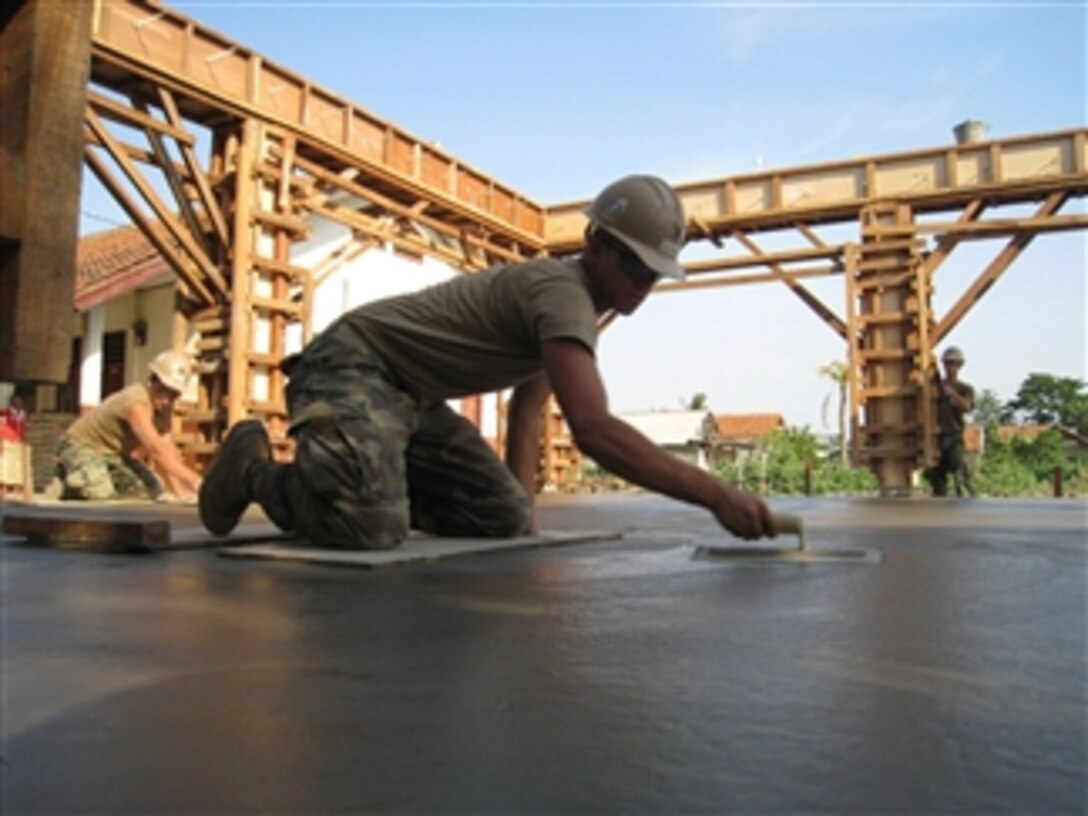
(619, 676)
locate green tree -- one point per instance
(988, 408)
(1051, 398)
(782, 461)
(697, 402)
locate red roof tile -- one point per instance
(112, 262)
(748, 426)
(1028, 432)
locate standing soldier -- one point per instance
(954, 399)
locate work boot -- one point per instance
(225, 490)
(268, 489)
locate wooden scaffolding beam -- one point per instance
(283, 149)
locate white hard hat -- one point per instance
(172, 368)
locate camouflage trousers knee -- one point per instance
(89, 474)
(372, 462)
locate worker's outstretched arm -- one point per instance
(623, 450)
(162, 450)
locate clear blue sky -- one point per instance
(558, 98)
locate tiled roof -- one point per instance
(102, 255)
(748, 426)
(1028, 432)
(113, 262)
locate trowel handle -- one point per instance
(789, 524)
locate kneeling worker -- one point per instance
(378, 451)
(95, 455)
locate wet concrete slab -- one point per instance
(418, 547)
(625, 675)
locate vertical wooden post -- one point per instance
(46, 49)
(852, 339)
(891, 308)
(244, 237)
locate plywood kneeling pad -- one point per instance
(418, 547)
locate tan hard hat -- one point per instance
(952, 354)
(646, 215)
(172, 368)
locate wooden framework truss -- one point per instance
(307, 158)
(224, 159)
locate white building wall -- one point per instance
(377, 273)
(90, 368)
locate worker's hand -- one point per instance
(744, 515)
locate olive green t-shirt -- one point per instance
(106, 429)
(950, 420)
(472, 334)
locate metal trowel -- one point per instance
(786, 524)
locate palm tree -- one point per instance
(838, 373)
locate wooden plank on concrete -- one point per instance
(95, 534)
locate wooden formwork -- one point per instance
(560, 459)
(891, 321)
(244, 151)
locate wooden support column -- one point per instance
(850, 260)
(45, 51)
(244, 238)
(887, 345)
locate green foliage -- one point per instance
(1024, 467)
(988, 408)
(835, 478)
(779, 464)
(696, 403)
(1050, 398)
(1016, 468)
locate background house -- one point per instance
(686, 434)
(736, 436)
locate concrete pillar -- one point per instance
(90, 367)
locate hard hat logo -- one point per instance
(616, 208)
(646, 215)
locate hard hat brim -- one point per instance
(657, 261)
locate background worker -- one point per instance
(95, 455)
(377, 449)
(954, 399)
(13, 420)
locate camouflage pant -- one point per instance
(90, 474)
(951, 462)
(372, 461)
